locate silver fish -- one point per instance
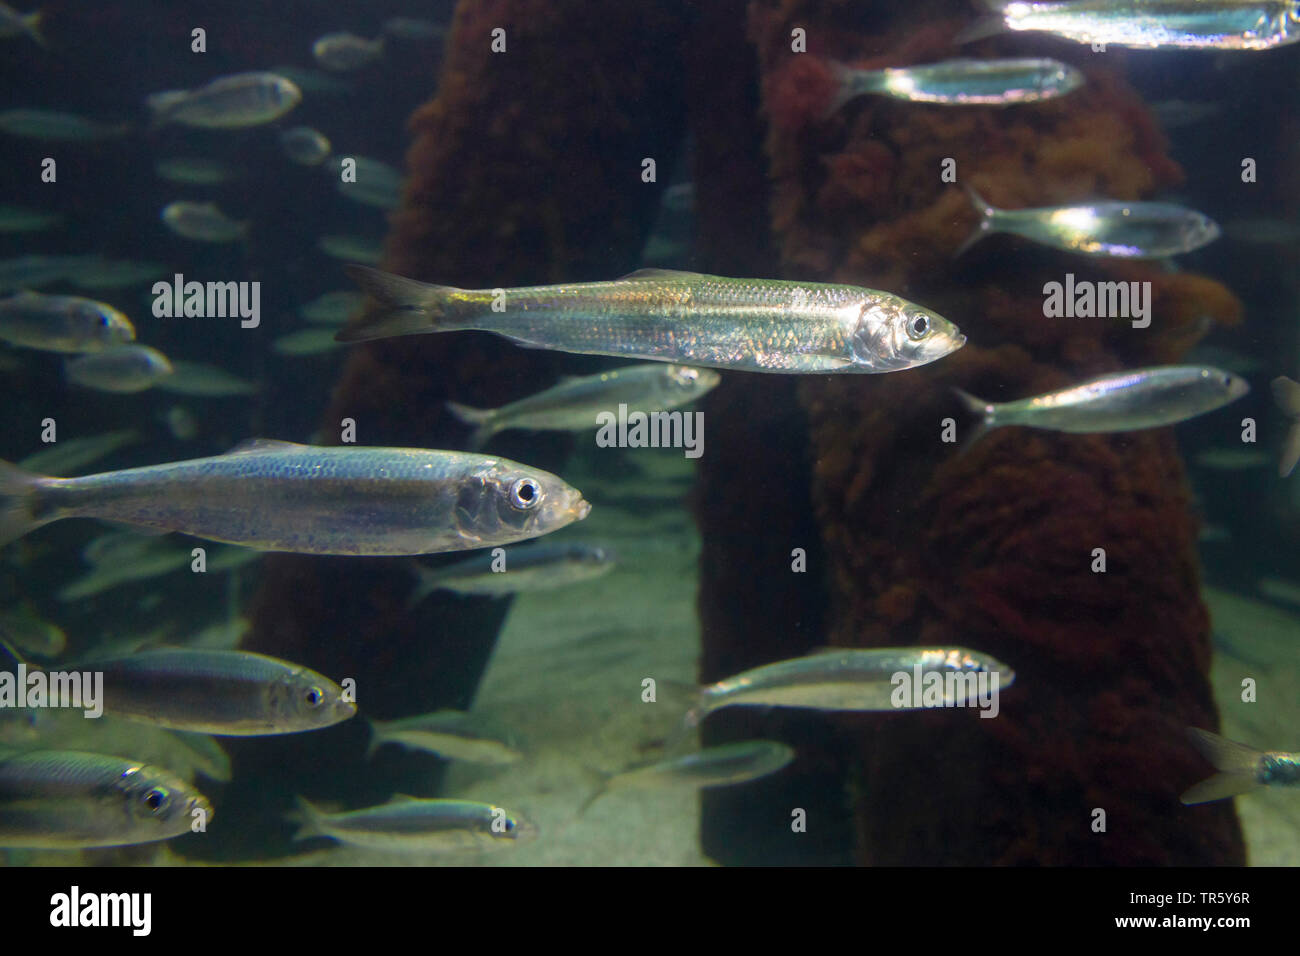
(1149, 24)
(225, 693)
(196, 378)
(342, 52)
(58, 127)
(18, 219)
(575, 403)
(452, 734)
(356, 248)
(960, 82)
(228, 102)
(1286, 395)
(67, 800)
(193, 170)
(96, 272)
(14, 24)
(409, 825)
(202, 221)
(1241, 769)
(720, 766)
(855, 680)
(759, 325)
(280, 496)
(64, 457)
(305, 342)
(332, 308)
(305, 145)
(409, 28)
(1117, 401)
(62, 323)
(124, 369)
(370, 182)
(1127, 230)
(534, 566)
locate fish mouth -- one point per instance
(199, 802)
(581, 509)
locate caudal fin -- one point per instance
(406, 307)
(1238, 767)
(984, 413)
(985, 225)
(481, 418)
(376, 738)
(308, 819)
(32, 25)
(17, 502)
(160, 106)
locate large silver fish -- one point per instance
(227, 693)
(67, 799)
(575, 403)
(452, 734)
(759, 325)
(228, 102)
(62, 323)
(1128, 230)
(855, 679)
(1149, 24)
(1118, 401)
(279, 496)
(408, 825)
(124, 369)
(960, 82)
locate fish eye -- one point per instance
(314, 697)
(918, 327)
(155, 799)
(510, 825)
(103, 321)
(525, 493)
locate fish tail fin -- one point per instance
(17, 502)
(483, 420)
(376, 737)
(1238, 767)
(849, 84)
(407, 307)
(160, 104)
(32, 25)
(427, 580)
(308, 817)
(982, 228)
(982, 410)
(992, 23)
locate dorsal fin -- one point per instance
(263, 444)
(659, 274)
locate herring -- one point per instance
(532, 566)
(410, 825)
(342, 52)
(202, 221)
(69, 800)
(1241, 769)
(124, 369)
(305, 146)
(196, 378)
(451, 734)
(577, 401)
(757, 325)
(1117, 401)
(1286, 395)
(1148, 24)
(857, 680)
(280, 496)
(1114, 228)
(228, 102)
(224, 693)
(719, 766)
(62, 323)
(58, 127)
(960, 82)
